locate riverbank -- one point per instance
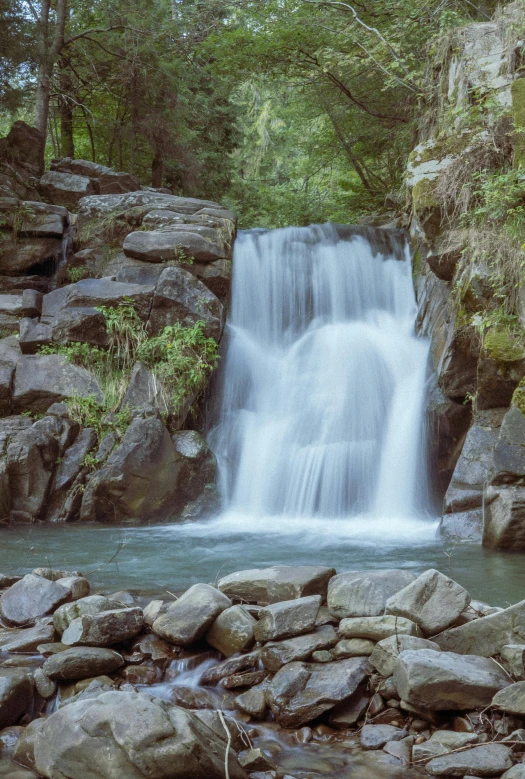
(301, 671)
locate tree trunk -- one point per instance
(67, 141)
(157, 170)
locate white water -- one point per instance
(320, 429)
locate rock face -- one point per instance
(200, 244)
(357, 594)
(281, 582)
(433, 601)
(124, 734)
(441, 681)
(190, 617)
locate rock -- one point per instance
(109, 181)
(214, 275)
(126, 734)
(253, 702)
(354, 647)
(44, 686)
(516, 772)
(386, 652)
(67, 472)
(349, 711)
(80, 325)
(190, 617)
(439, 681)
(364, 594)
(514, 656)
(449, 739)
(23, 253)
(152, 611)
(66, 189)
(376, 736)
(232, 666)
(180, 297)
(279, 583)
(504, 526)
(249, 679)
(464, 525)
(29, 639)
(30, 462)
(287, 618)
(377, 628)
(433, 601)
(486, 636)
(82, 663)
(232, 631)
(136, 483)
(254, 760)
(24, 751)
(197, 466)
(30, 598)
(145, 391)
(41, 380)
(104, 629)
(300, 692)
(276, 654)
(202, 244)
(138, 272)
(28, 217)
(26, 144)
(95, 293)
(402, 750)
(511, 699)
(487, 760)
(16, 696)
(90, 605)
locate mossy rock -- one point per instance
(500, 344)
(518, 113)
(518, 398)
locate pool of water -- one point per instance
(160, 558)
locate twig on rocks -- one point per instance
(229, 737)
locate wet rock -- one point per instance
(66, 189)
(41, 380)
(152, 611)
(254, 760)
(279, 583)
(465, 525)
(190, 617)
(197, 466)
(287, 618)
(376, 736)
(514, 656)
(66, 474)
(253, 702)
(77, 586)
(228, 667)
(232, 631)
(348, 712)
(24, 751)
(487, 760)
(30, 598)
(504, 526)
(433, 601)
(439, 681)
(377, 628)
(486, 636)
(402, 749)
(29, 639)
(130, 734)
(30, 463)
(104, 629)
(144, 391)
(92, 604)
(16, 695)
(386, 652)
(357, 594)
(354, 647)
(199, 243)
(300, 692)
(276, 654)
(249, 679)
(82, 663)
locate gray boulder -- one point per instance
(275, 654)
(29, 217)
(511, 699)
(94, 293)
(464, 525)
(110, 182)
(364, 594)
(145, 391)
(353, 647)
(440, 681)
(287, 618)
(191, 616)
(30, 463)
(504, 520)
(433, 601)
(126, 734)
(104, 629)
(232, 631)
(386, 652)
(20, 254)
(91, 605)
(202, 244)
(300, 692)
(34, 335)
(486, 760)
(16, 695)
(41, 380)
(98, 206)
(376, 736)
(66, 189)
(486, 636)
(69, 468)
(514, 656)
(80, 325)
(82, 663)
(30, 598)
(281, 582)
(377, 628)
(197, 466)
(180, 297)
(29, 639)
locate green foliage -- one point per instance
(76, 274)
(89, 413)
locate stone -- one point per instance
(232, 631)
(449, 739)
(486, 760)
(145, 391)
(191, 616)
(23, 753)
(66, 189)
(30, 462)
(136, 482)
(254, 760)
(29, 639)
(180, 297)
(94, 293)
(80, 325)
(249, 679)
(23, 253)
(516, 772)
(364, 594)
(511, 699)
(402, 749)
(110, 182)
(486, 636)
(231, 666)
(253, 702)
(433, 601)
(514, 656)
(377, 628)
(26, 143)
(464, 525)
(41, 380)
(34, 335)
(354, 647)
(152, 611)
(300, 692)
(275, 654)
(67, 472)
(44, 686)
(201, 244)
(376, 736)
(386, 652)
(287, 618)
(104, 629)
(279, 583)
(348, 712)
(126, 734)
(16, 695)
(197, 465)
(90, 605)
(440, 681)
(82, 663)
(30, 598)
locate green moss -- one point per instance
(423, 195)
(518, 398)
(518, 113)
(500, 345)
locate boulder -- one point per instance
(486, 760)
(95, 293)
(104, 629)
(82, 663)
(109, 181)
(433, 601)
(24, 751)
(350, 711)
(127, 734)
(30, 463)
(201, 244)
(353, 647)
(214, 275)
(22, 253)
(377, 628)
(16, 695)
(145, 391)
(231, 666)
(80, 325)
(463, 525)
(499, 373)
(301, 692)
(191, 616)
(508, 463)
(386, 652)
(504, 520)
(511, 699)
(440, 681)
(29, 639)
(41, 380)
(137, 482)
(364, 594)
(91, 605)
(26, 217)
(232, 631)
(516, 772)
(275, 654)
(138, 272)
(376, 736)
(486, 636)
(514, 656)
(197, 466)
(287, 618)
(30, 598)
(66, 189)
(34, 335)
(180, 297)
(66, 474)
(26, 145)
(253, 702)
(279, 583)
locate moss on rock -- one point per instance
(500, 345)
(518, 398)
(518, 112)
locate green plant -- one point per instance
(181, 256)
(76, 274)
(126, 333)
(88, 412)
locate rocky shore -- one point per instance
(272, 673)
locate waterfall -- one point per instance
(322, 384)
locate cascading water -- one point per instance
(322, 385)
